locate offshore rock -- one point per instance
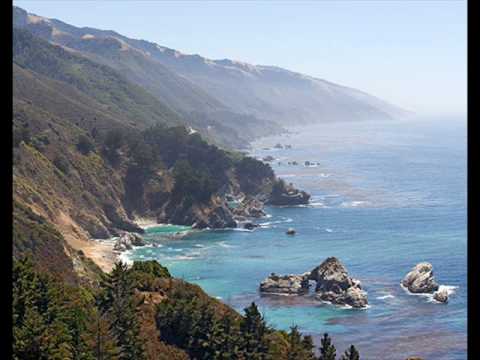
(127, 240)
(285, 284)
(250, 226)
(441, 296)
(335, 286)
(286, 195)
(420, 279)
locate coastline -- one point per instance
(145, 223)
(101, 253)
(101, 250)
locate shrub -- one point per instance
(85, 145)
(62, 164)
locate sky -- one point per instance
(412, 53)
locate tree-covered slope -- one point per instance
(102, 84)
(141, 313)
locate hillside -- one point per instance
(93, 152)
(197, 108)
(221, 87)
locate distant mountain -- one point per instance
(197, 87)
(198, 109)
(91, 89)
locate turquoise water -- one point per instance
(385, 196)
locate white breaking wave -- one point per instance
(184, 257)
(353, 203)
(241, 229)
(225, 245)
(317, 204)
(449, 288)
(124, 257)
(389, 296)
(269, 223)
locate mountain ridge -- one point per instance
(268, 93)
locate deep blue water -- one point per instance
(385, 196)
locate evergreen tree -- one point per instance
(327, 350)
(118, 301)
(299, 348)
(39, 329)
(100, 338)
(294, 344)
(228, 343)
(253, 330)
(307, 343)
(351, 354)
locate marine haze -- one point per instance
(215, 96)
(111, 133)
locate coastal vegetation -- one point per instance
(94, 149)
(135, 311)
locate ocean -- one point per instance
(386, 195)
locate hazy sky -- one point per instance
(411, 53)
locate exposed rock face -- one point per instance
(334, 284)
(250, 226)
(251, 207)
(420, 279)
(127, 240)
(441, 296)
(287, 195)
(214, 215)
(285, 284)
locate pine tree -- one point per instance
(253, 330)
(118, 301)
(39, 329)
(307, 343)
(100, 339)
(327, 350)
(299, 348)
(294, 344)
(228, 344)
(351, 354)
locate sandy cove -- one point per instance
(101, 251)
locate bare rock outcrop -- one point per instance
(127, 240)
(335, 286)
(420, 279)
(441, 296)
(285, 284)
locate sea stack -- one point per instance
(441, 296)
(420, 279)
(285, 284)
(335, 286)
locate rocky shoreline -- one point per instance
(333, 285)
